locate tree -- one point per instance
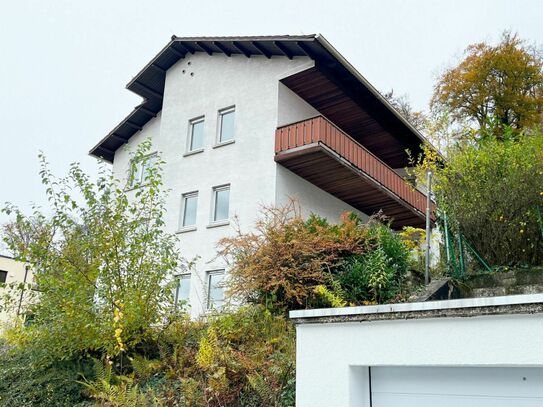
(492, 192)
(435, 125)
(101, 262)
(403, 106)
(504, 81)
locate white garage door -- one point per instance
(456, 386)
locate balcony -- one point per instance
(318, 151)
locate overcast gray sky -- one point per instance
(65, 63)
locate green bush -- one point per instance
(492, 190)
(26, 381)
(239, 359)
(377, 275)
(103, 263)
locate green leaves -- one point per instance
(491, 190)
(375, 276)
(100, 251)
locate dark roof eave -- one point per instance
(262, 45)
(330, 48)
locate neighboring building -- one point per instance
(472, 352)
(12, 272)
(243, 122)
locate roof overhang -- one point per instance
(394, 131)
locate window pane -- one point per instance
(183, 289)
(197, 135)
(222, 198)
(149, 162)
(136, 174)
(215, 290)
(141, 169)
(227, 126)
(3, 276)
(190, 204)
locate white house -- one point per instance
(244, 122)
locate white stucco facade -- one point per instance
(333, 357)
(200, 86)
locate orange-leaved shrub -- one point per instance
(288, 262)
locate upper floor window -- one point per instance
(226, 125)
(3, 276)
(196, 135)
(221, 203)
(140, 169)
(215, 289)
(189, 205)
(182, 290)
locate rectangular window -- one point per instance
(226, 125)
(141, 170)
(182, 291)
(196, 135)
(215, 290)
(189, 206)
(221, 203)
(3, 276)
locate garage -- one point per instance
(469, 352)
(456, 386)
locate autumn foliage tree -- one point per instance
(503, 83)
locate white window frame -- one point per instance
(209, 274)
(182, 226)
(214, 195)
(178, 278)
(136, 180)
(192, 122)
(221, 113)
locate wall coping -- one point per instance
(466, 307)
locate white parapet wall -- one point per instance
(337, 349)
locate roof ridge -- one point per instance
(246, 37)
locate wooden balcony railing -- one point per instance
(319, 130)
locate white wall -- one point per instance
(312, 199)
(330, 356)
(292, 108)
(202, 85)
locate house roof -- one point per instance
(329, 63)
